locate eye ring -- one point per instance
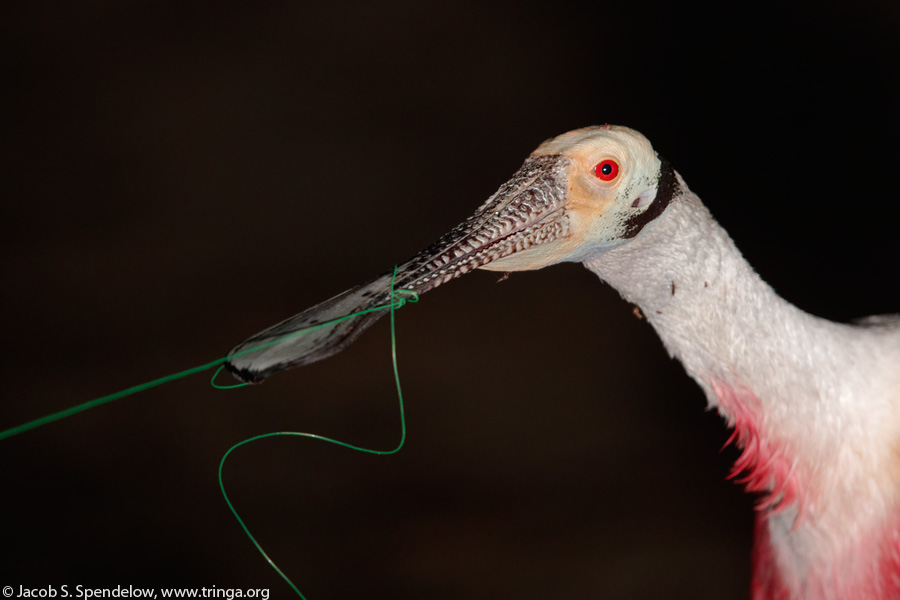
(606, 170)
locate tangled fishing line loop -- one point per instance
(398, 299)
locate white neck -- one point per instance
(712, 311)
(807, 394)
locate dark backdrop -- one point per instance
(181, 175)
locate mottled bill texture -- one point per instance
(526, 211)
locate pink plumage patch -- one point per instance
(868, 569)
(767, 582)
(765, 465)
(889, 565)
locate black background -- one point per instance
(182, 175)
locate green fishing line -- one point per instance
(398, 298)
(395, 303)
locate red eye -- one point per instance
(606, 170)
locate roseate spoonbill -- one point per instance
(815, 405)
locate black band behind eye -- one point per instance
(666, 188)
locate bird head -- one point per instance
(611, 184)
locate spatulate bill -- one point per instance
(526, 211)
(310, 335)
